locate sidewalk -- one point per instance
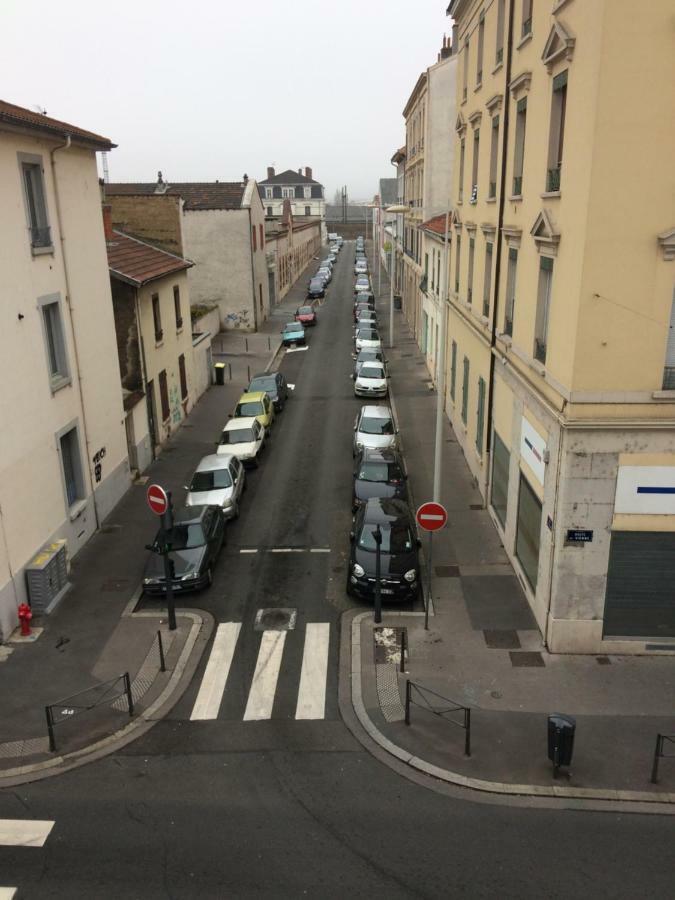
(95, 634)
(484, 651)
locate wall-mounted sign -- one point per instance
(645, 490)
(533, 450)
(578, 536)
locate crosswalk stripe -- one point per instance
(264, 685)
(217, 670)
(24, 832)
(312, 692)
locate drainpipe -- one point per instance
(66, 146)
(250, 244)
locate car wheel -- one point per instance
(235, 515)
(209, 577)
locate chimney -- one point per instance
(107, 222)
(245, 179)
(299, 171)
(308, 172)
(270, 171)
(161, 186)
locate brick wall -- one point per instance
(155, 219)
(126, 330)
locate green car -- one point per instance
(293, 333)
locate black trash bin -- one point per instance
(219, 369)
(561, 731)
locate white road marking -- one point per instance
(248, 551)
(24, 832)
(312, 692)
(287, 550)
(264, 684)
(291, 387)
(213, 683)
(296, 349)
(320, 550)
(6, 893)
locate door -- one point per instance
(131, 440)
(152, 415)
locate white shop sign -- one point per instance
(533, 450)
(645, 490)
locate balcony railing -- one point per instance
(500, 55)
(669, 378)
(493, 190)
(40, 237)
(474, 194)
(527, 26)
(553, 179)
(508, 326)
(540, 350)
(159, 334)
(517, 185)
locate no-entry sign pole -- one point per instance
(159, 502)
(430, 517)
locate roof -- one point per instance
(436, 225)
(250, 397)
(138, 263)
(290, 176)
(239, 422)
(388, 191)
(24, 118)
(196, 194)
(376, 412)
(416, 91)
(213, 462)
(399, 155)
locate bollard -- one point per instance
(407, 701)
(658, 752)
(162, 663)
(127, 691)
(403, 648)
(246, 342)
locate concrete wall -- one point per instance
(292, 251)
(439, 147)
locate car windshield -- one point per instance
(316, 283)
(367, 334)
(396, 538)
(268, 383)
(184, 537)
(211, 481)
(295, 326)
(252, 408)
(305, 311)
(376, 425)
(386, 473)
(238, 436)
(370, 371)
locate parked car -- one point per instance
(366, 316)
(362, 284)
(399, 557)
(371, 381)
(334, 248)
(366, 337)
(293, 333)
(325, 273)
(360, 267)
(362, 308)
(332, 255)
(219, 480)
(195, 540)
(306, 315)
(243, 438)
(275, 386)
(327, 262)
(378, 473)
(258, 404)
(369, 355)
(374, 427)
(317, 288)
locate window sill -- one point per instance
(42, 251)
(538, 367)
(525, 40)
(76, 510)
(159, 343)
(497, 68)
(505, 338)
(179, 330)
(491, 200)
(550, 195)
(663, 395)
(478, 87)
(515, 198)
(60, 382)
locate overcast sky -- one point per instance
(205, 89)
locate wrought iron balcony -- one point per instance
(540, 350)
(553, 179)
(474, 194)
(159, 334)
(669, 378)
(40, 237)
(508, 326)
(179, 323)
(517, 185)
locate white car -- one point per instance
(361, 268)
(374, 427)
(371, 380)
(362, 285)
(326, 273)
(367, 339)
(327, 262)
(218, 481)
(244, 438)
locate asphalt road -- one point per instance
(282, 807)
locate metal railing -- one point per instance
(540, 350)
(553, 179)
(517, 185)
(413, 690)
(40, 237)
(669, 378)
(659, 754)
(83, 701)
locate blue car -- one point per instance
(293, 333)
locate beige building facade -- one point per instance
(561, 331)
(291, 244)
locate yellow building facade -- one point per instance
(561, 328)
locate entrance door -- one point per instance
(528, 531)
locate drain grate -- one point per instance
(501, 639)
(526, 659)
(275, 619)
(447, 571)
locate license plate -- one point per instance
(386, 591)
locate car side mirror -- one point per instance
(352, 376)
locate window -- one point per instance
(499, 488)
(479, 54)
(268, 193)
(480, 416)
(527, 18)
(433, 269)
(474, 169)
(307, 193)
(157, 318)
(543, 306)
(519, 151)
(487, 279)
(669, 369)
(262, 236)
(465, 390)
(55, 345)
(494, 150)
(453, 369)
(71, 466)
(472, 253)
(287, 192)
(176, 306)
(269, 211)
(466, 70)
(36, 207)
(308, 210)
(529, 526)
(260, 299)
(510, 291)
(255, 242)
(499, 50)
(457, 261)
(461, 170)
(183, 377)
(557, 132)
(164, 395)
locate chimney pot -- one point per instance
(107, 222)
(308, 172)
(270, 171)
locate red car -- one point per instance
(306, 315)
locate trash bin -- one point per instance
(561, 731)
(397, 301)
(220, 373)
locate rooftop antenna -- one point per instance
(40, 109)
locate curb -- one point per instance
(655, 803)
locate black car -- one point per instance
(399, 560)
(195, 540)
(368, 355)
(378, 473)
(274, 384)
(317, 288)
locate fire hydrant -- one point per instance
(25, 615)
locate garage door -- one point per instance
(640, 598)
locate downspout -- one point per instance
(250, 244)
(66, 146)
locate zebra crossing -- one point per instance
(313, 673)
(22, 833)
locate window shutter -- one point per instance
(481, 416)
(546, 263)
(560, 81)
(670, 348)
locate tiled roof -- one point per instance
(197, 195)
(436, 225)
(289, 177)
(138, 263)
(24, 118)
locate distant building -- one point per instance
(306, 195)
(291, 244)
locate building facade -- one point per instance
(562, 322)
(305, 195)
(63, 459)
(291, 245)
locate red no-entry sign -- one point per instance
(157, 498)
(431, 516)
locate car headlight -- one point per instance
(359, 445)
(227, 504)
(410, 575)
(358, 570)
(152, 580)
(190, 576)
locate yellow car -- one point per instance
(256, 404)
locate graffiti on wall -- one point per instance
(239, 319)
(97, 460)
(175, 405)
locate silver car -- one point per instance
(374, 427)
(371, 380)
(218, 481)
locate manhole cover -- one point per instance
(526, 659)
(279, 619)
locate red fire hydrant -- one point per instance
(25, 615)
